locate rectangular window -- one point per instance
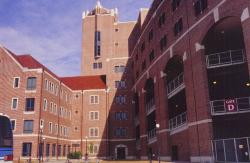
(59, 149)
(27, 147)
(163, 42)
(16, 82)
(30, 104)
(97, 43)
(120, 69)
(94, 115)
(97, 65)
(56, 128)
(121, 99)
(93, 149)
(14, 103)
(94, 99)
(178, 27)
(31, 83)
(200, 6)
(47, 150)
(93, 132)
(152, 55)
(45, 104)
(120, 84)
(13, 124)
(175, 4)
(142, 46)
(41, 123)
(55, 109)
(161, 20)
(120, 132)
(150, 35)
(53, 150)
(50, 127)
(121, 116)
(28, 126)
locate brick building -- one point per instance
(172, 85)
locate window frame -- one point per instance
(18, 83)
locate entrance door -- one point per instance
(175, 153)
(121, 153)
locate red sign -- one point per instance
(230, 105)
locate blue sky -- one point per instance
(50, 30)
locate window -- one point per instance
(50, 127)
(53, 150)
(120, 84)
(94, 115)
(150, 35)
(41, 123)
(45, 104)
(97, 65)
(119, 69)
(121, 99)
(121, 116)
(13, 124)
(163, 42)
(31, 83)
(161, 20)
(120, 132)
(93, 132)
(200, 6)
(59, 148)
(30, 104)
(47, 150)
(16, 82)
(46, 84)
(94, 99)
(14, 103)
(27, 149)
(51, 107)
(142, 46)
(56, 128)
(97, 44)
(152, 55)
(93, 148)
(143, 66)
(28, 126)
(55, 109)
(178, 27)
(175, 4)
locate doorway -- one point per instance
(121, 153)
(174, 153)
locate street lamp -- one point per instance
(157, 130)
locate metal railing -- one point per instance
(232, 150)
(150, 106)
(226, 58)
(178, 121)
(152, 134)
(175, 83)
(230, 106)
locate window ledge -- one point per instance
(30, 91)
(29, 112)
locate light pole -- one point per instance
(157, 130)
(86, 146)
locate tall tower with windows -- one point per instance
(105, 52)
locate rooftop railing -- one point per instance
(178, 121)
(226, 58)
(230, 106)
(175, 85)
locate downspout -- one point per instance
(81, 130)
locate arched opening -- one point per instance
(176, 92)
(229, 90)
(121, 152)
(150, 109)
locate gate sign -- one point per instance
(230, 105)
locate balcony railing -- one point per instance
(178, 121)
(232, 150)
(151, 134)
(230, 106)
(150, 106)
(175, 84)
(226, 58)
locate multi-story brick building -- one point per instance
(174, 85)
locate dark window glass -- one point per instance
(27, 149)
(143, 66)
(152, 55)
(13, 124)
(120, 132)
(59, 148)
(142, 46)
(28, 126)
(163, 42)
(30, 104)
(178, 27)
(47, 150)
(53, 150)
(175, 4)
(6, 137)
(31, 83)
(200, 6)
(150, 35)
(16, 82)
(161, 20)
(97, 43)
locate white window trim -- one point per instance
(98, 99)
(51, 109)
(12, 103)
(16, 77)
(94, 145)
(94, 129)
(41, 126)
(15, 124)
(45, 107)
(94, 115)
